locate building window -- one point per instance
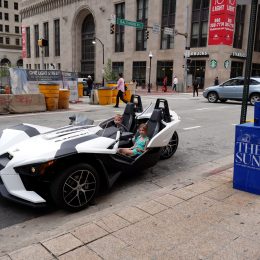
(46, 37)
(15, 6)
(236, 69)
(257, 32)
(6, 28)
(36, 38)
(7, 40)
(239, 26)
(142, 16)
(6, 16)
(1, 27)
(58, 66)
(164, 68)
(17, 41)
(199, 23)
(139, 72)
(17, 29)
(28, 43)
(120, 30)
(0, 3)
(117, 67)
(1, 40)
(5, 4)
(168, 20)
(1, 15)
(57, 37)
(256, 69)
(16, 18)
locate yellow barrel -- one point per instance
(111, 85)
(80, 89)
(51, 94)
(64, 96)
(105, 96)
(114, 92)
(127, 95)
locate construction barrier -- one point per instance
(4, 103)
(80, 89)
(51, 93)
(105, 96)
(26, 103)
(64, 96)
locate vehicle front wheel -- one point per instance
(212, 97)
(169, 150)
(222, 100)
(253, 98)
(75, 187)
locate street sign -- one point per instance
(124, 22)
(213, 64)
(168, 31)
(156, 28)
(113, 18)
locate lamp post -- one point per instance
(149, 83)
(102, 44)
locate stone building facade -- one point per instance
(10, 33)
(71, 25)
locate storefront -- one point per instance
(237, 64)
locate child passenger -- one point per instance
(140, 143)
(118, 119)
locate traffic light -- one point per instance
(147, 34)
(42, 43)
(112, 28)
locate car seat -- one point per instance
(154, 123)
(129, 117)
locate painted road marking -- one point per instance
(193, 127)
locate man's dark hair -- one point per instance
(120, 74)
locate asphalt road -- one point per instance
(206, 133)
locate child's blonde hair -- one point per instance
(144, 126)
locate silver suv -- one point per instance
(233, 89)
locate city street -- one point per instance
(206, 133)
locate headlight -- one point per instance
(34, 169)
(206, 89)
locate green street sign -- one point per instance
(124, 22)
(213, 64)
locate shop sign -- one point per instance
(226, 64)
(199, 53)
(238, 54)
(24, 53)
(213, 64)
(221, 22)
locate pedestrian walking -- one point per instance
(195, 87)
(165, 80)
(175, 82)
(216, 81)
(121, 89)
(90, 85)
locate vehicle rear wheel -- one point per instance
(222, 100)
(169, 150)
(253, 98)
(212, 97)
(74, 188)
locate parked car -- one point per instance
(69, 165)
(232, 89)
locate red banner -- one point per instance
(24, 54)
(222, 22)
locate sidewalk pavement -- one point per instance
(205, 220)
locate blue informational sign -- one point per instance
(247, 158)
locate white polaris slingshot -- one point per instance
(69, 165)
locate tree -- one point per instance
(109, 75)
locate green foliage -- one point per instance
(109, 75)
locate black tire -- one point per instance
(222, 100)
(169, 150)
(212, 97)
(253, 98)
(75, 187)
